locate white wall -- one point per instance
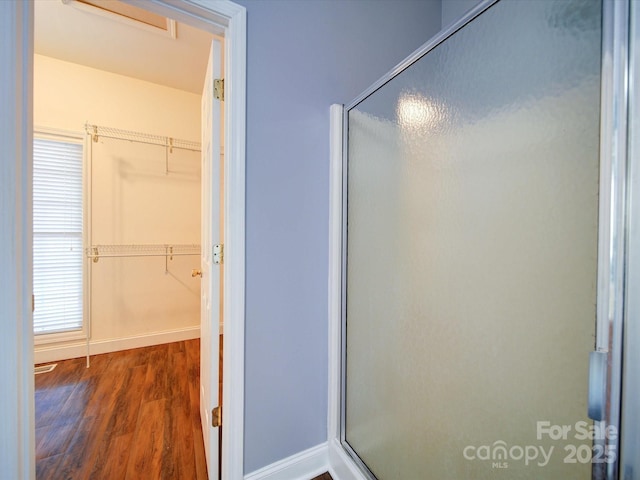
(66, 95)
(134, 202)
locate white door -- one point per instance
(211, 273)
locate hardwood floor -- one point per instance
(324, 476)
(132, 415)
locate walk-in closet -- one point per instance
(144, 231)
(117, 241)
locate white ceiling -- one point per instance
(68, 33)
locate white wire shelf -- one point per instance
(170, 143)
(169, 251)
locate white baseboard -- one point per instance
(54, 353)
(341, 466)
(301, 466)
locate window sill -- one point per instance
(47, 338)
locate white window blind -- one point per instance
(57, 236)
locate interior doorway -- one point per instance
(227, 19)
(133, 210)
(16, 410)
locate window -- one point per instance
(57, 234)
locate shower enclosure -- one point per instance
(484, 250)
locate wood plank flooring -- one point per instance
(132, 415)
(324, 476)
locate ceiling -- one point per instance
(73, 34)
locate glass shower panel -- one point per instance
(472, 219)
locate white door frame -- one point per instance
(17, 437)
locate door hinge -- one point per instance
(218, 254)
(218, 89)
(216, 417)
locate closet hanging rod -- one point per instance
(146, 138)
(123, 255)
(96, 252)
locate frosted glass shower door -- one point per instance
(471, 252)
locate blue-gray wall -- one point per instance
(303, 56)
